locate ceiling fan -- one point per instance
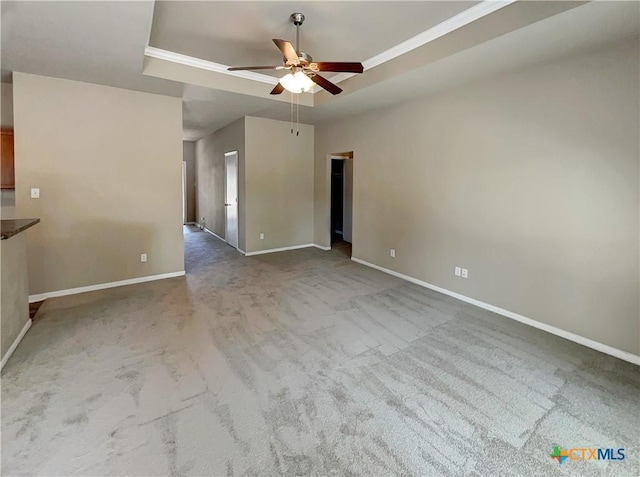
(303, 71)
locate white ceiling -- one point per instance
(95, 42)
(239, 33)
(104, 42)
(206, 110)
(576, 30)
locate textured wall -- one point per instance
(14, 303)
(529, 180)
(210, 178)
(189, 156)
(275, 182)
(279, 184)
(108, 164)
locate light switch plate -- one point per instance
(143, 257)
(35, 193)
(458, 271)
(392, 252)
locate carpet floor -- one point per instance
(303, 363)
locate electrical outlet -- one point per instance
(465, 273)
(35, 193)
(458, 271)
(392, 252)
(261, 236)
(143, 257)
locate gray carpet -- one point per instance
(303, 363)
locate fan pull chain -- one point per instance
(297, 115)
(291, 112)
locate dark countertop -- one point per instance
(11, 227)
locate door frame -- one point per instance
(327, 188)
(184, 194)
(228, 154)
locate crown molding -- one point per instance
(441, 29)
(186, 60)
(456, 22)
(449, 25)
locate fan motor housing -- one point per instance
(304, 58)
(297, 18)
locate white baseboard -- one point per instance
(102, 286)
(271, 250)
(15, 343)
(220, 238)
(214, 234)
(624, 355)
(281, 249)
(284, 249)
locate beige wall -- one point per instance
(279, 184)
(275, 182)
(14, 294)
(529, 180)
(210, 178)
(108, 164)
(189, 156)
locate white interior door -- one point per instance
(184, 192)
(231, 198)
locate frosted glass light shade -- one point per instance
(297, 82)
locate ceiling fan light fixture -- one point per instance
(303, 70)
(296, 82)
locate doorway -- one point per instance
(341, 202)
(337, 200)
(231, 198)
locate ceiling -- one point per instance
(445, 44)
(240, 33)
(95, 42)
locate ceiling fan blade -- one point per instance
(339, 66)
(241, 68)
(326, 84)
(278, 89)
(287, 49)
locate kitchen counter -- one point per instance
(14, 285)
(11, 227)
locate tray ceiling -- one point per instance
(105, 43)
(240, 33)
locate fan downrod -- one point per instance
(298, 20)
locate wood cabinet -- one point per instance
(7, 173)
